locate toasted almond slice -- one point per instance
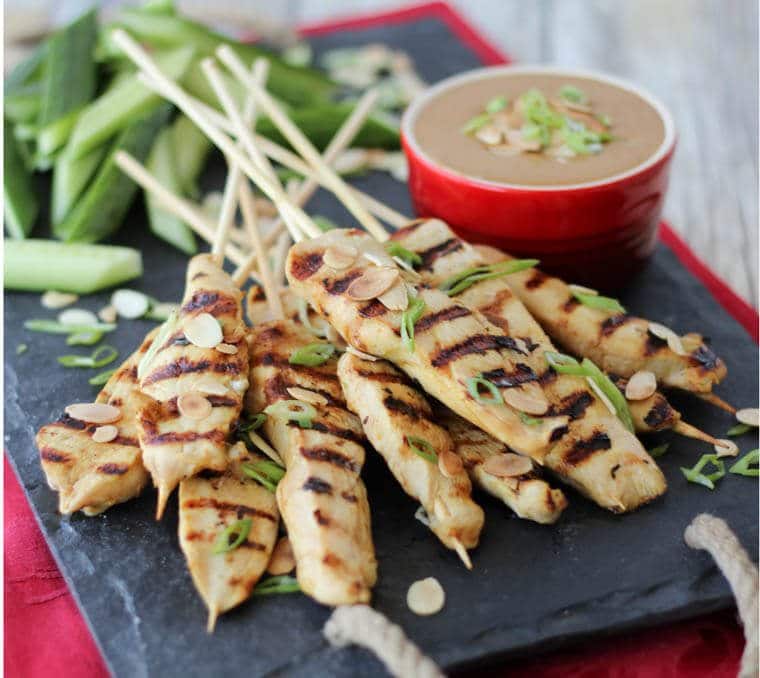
(203, 330)
(581, 289)
(749, 416)
(507, 465)
(54, 299)
(490, 135)
(665, 333)
(307, 396)
(282, 560)
(641, 385)
(726, 448)
(449, 463)
(94, 413)
(234, 335)
(372, 283)
(527, 398)
(105, 434)
(601, 395)
(340, 256)
(425, 597)
(210, 386)
(130, 304)
(77, 316)
(107, 314)
(229, 349)
(194, 406)
(361, 354)
(396, 298)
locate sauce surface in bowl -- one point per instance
(634, 130)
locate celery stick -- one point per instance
(41, 265)
(191, 149)
(99, 212)
(20, 204)
(24, 104)
(161, 164)
(28, 71)
(70, 177)
(69, 81)
(124, 102)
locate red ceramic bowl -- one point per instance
(600, 232)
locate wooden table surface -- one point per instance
(698, 56)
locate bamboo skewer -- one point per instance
(716, 400)
(689, 431)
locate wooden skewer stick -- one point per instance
(279, 254)
(462, 553)
(689, 431)
(716, 400)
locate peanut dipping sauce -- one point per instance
(636, 126)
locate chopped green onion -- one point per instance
(239, 530)
(84, 338)
(738, 430)
(599, 302)
(407, 256)
(473, 388)
(528, 420)
(292, 410)
(474, 124)
(159, 310)
(265, 472)
(101, 378)
(21, 348)
(409, 319)
(303, 316)
(658, 451)
(612, 392)
(695, 475)
(54, 327)
(254, 423)
(280, 584)
(461, 281)
(496, 104)
(100, 356)
(312, 355)
(163, 334)
(572, 94)
(742, 467)
(606, 120)
(423, 448)
(564, 364)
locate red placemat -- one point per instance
(45, 634)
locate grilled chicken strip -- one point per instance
(393, 413)
(453, 344)
(596, 453)
(322, 499)
(177, 446)
(209, 504)
(92, 476)
(617, 342)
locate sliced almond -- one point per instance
(107, 314)
(105, 434)
(641, 386)
(210, 386)
(668, 335)
(726, 448)
(490, 135)
(361, 354)
(203, 330)
(601, 395)
(527, 398)
(77, 316)
(425, 597)
(307, 396)
(54, 299)
(94, 413)
(229, 349)
(340, 256)
(449, 463)
(282, 560)
(749, 416)
(396, 298)
(581, 289)
(234, 335)
(372, 283)
(194, 406)
(507, 465)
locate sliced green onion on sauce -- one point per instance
(54, 327)
(738, 430)
(292, 410)
(84, 338)
(407, 256)
(422, 448)
(253, 423)
(464, 279)
(496, 104)
(283, 583)
(312, 355)
(658, 451)
(233, 536)
(21, 348)
(409, 319)
(474, 124)
(101, 378)
(572, 94)
(695, 473)
(265, 472)
(473, 388)
(742, 467)
(100, 356)
(599, 302)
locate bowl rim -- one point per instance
(413, 110)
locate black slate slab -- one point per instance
(532, 588)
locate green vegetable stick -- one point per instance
(27, 71)
(70, 177)
(38, 265)
(20, 205)
(24, 104)
(191, 149)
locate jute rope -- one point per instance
(714, 536)
(361, 625)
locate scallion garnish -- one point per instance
(101, 378)
(422, 448)
(283, 583)
(98, 358)
(54, 327)
(407, 256)
(303, 316)
(21, 348)
(474, 124)
(572, 94)
(163, 334)
(84, 338)
(473, 387)
(658, 451)
(528, 420)
(461, 281)
(738, 430)
(564, 364)
(599, 302)
(409, 319)
(265, 472)
(496, 104)
(253, 423)
(292, 410)
(695, 474)
(312, 355)
(233, 536)
(742, 467)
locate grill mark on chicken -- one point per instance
(69, 422)
(495, 306)
(254, 545)
(430, 255)
(350, 498)
(53, 455)
(583, 449)
(373, 309)
(478, 343)
(306, 266)
(536, 279)
(574, 405)
(383, 377)
(257, 294)
(432, 319)
(405, 408)
(339, 286)
(321, 519)
(570, 305)
(269, 335)
(152, 437)
(344, 433)
(503, 379)
(185, 366)
(281, 362)
(227, 507)
(659, 414)
(498, 321)
(558, 433)
(407, 230)
(276, 388)
(198, 276)
(653, 344)
(317, 485)
(215, 303)
(113, 469)
(329, 456)
(611, 324)
(705, 358)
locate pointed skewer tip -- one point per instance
(462, 553)
(213, 615)
(685, 429)
(716, 400)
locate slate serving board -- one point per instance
(533, 587)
